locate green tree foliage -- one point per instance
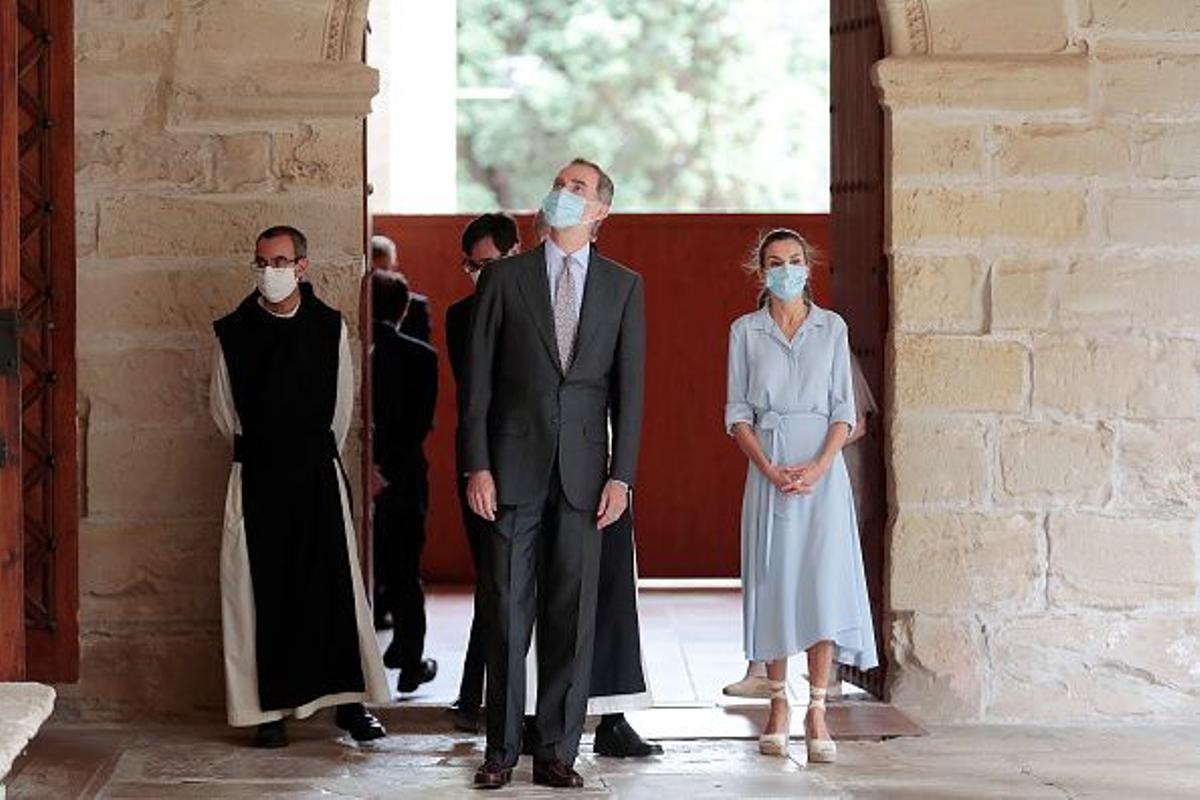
(690, 104)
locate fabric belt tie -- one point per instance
(772, 423)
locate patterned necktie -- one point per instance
(566, 316)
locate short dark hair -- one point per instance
(299, 240)
(389, 296)
(604, 184)
(500, 226)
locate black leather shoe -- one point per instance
(622, 741)
(271, 735)
(556, 774)
(492, 775)
(529, 737)
(410, 679)
(464, 716)
(359, 723)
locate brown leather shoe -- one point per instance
(557, 774)
(492, 775)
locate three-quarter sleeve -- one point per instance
(344, 408)
(737, 403)
(220, 396)
(841, 383)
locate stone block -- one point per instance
(255, 29)
(1143, 16)
(944, 562)
(149, 572)
(1137, 293)
(1171, 150)
(1056, 462)
(130, 47)
(135, 385)
(1158, 465)
(1087, 665)
(937, 294)
(920, 147)
(1158, 84)
(960, 216)
(191, 227)
(86, 223)
(115, 98)
(1122, 563)
(959, 373)
(1044, 85)
(1016, 26)
(1130, 376)
(1023, 293)
(1153, 218)
(242, 162)
(329, 155)
(937, 667)
(141, 158)
(939, 459)
(127, 10)
(1037, 150)
(138, 473)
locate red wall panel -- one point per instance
(691, 475)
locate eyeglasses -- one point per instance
(278, 262)
(471, 265)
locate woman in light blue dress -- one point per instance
(790, 408)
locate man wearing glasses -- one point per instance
(297, 631)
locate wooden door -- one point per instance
(44, 274)
(859, 269)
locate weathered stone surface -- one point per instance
(86, 222)
(958, 562)
(193, 227)
(1123, 291)
(1115, 562)
(114, 98)
(149, 49)
(149, 572)
(939, 459)
(1159, 84)
(968, 26)
(1023, 293)
(250, 31)
(1063, 667)
(126, 10)
(141, 158)
(326, 155)
(938, 666)
(932, 215)
(1056, 462)
(1144, 16)
(154, 472)
(1153, 218)
(242, 162)
(1037, 150)
(1170, 150)
(923, 148)
(942, 295)
(1159, 464)
(1131, 376)
(142, 385)
(960, 374)
(1057, 83)
(23, 707)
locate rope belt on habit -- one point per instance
(772, 424)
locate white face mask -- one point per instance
(276, 284)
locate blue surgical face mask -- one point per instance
(563, 209)
(787, 281)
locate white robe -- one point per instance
(237, 591)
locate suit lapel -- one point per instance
(535, 289)
(597, 296)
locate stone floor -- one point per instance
(968, 762)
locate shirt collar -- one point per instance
(817, 317)
(555, 254)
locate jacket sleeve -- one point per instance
(475, 393)
(628, 389)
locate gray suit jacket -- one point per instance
(519, 412)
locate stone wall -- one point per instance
(199, 122)
(1045, 427)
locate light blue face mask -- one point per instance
(787, 281)
(563, 209)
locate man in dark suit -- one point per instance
(556, 348)
(386, 257)
(404, 395)
(486, 239)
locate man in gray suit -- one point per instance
(556, 347)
